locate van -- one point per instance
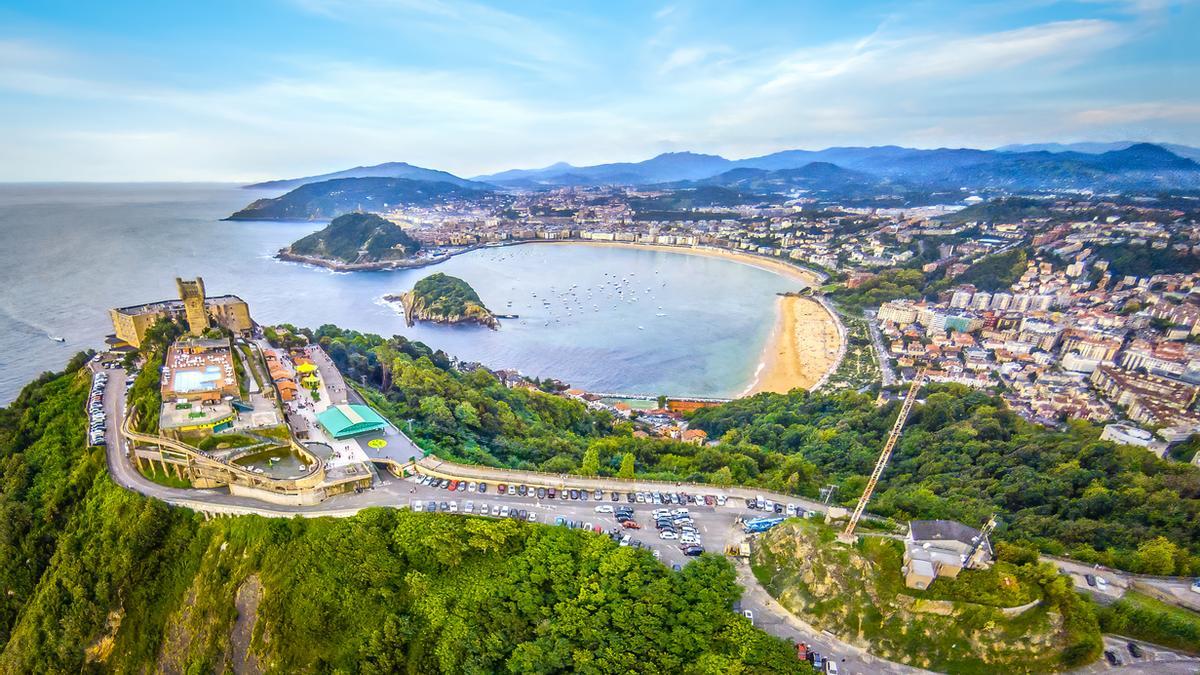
(759, 502)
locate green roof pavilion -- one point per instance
(345, 421)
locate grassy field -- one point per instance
(956, 626)
(859, 368)
(1145, 618)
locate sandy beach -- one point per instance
(804, 346)
(807, 341)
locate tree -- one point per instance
(627, 466)
(662, 401)
(591, 463)
(1156, 556)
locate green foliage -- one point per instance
(358, 237)
(954, 626)
(890, 284)
(1143, 260)
(441, 295)
(628, 465)
(104, 579)
(1141, 616)
(1003, 210)
(996, 272)
(964, 456)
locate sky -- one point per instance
(237, 91)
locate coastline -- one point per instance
(806, 343)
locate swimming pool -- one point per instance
(191, 380)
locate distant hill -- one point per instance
(327, 199)
(1137, 166)
(386, 170)
(1097, 148)
(667, 167)
(357, 238)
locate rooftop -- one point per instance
(344, 421)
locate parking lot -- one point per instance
(714, 526)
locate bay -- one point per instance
(682, 324)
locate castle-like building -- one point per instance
(198, 310)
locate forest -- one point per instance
(965, 456)
(100, 578)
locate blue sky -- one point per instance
(247, 90)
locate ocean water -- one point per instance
(681, 324)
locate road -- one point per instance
(716, 525)
(881, 355)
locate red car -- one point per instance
(501, 488)
(631, 525)
(802, 651)
(453, 486)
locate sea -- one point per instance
(605, 319)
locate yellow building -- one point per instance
(229, 311)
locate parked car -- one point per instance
(472, 486)
(453, 485)
(532, 517)
(541, 493)
(604, 508)
(453, 507)
(749, 616)
(598, 495)
(631, 525)
(631, 497)
(552, 493)
(667, 534)
(502, 488)
(482, 488)
(469, 507)
(1112, 657)
(443, 507)
(1090, 579)
(1135, 650)
(1102, 583)
(831, 667)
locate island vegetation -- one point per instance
(441, 298)
(355, 238)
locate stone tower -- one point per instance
(192, 294)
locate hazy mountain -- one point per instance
(667, 167)
(386, 170)
(1098, 147)
(814, 175)
(331, 198)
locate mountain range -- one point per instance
(877, 175)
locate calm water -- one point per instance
(72, 251)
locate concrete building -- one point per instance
(228, 311)
(942, 548)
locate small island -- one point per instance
(441, 298)
(355, 241)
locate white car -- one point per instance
(604, 508)
(453, 507)
(791, 509)
(749, 616)
(641, 498)
(532, 517)
(667, 534)
(1196, 586)
(471, 487)
(418, 506)
(689, 539)
(469, 507)
(503, 511)
(721, 500)
(831, 667)
(1102, 583)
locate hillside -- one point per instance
(100, 579)
(386, 170)
(956, 625)
(331, 198)
(357, 238)
(441, 298)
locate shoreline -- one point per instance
(804, 347)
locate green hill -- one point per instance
(955, 626)
(442, 298)
(357, 238)
(100, 579)
(330, 198)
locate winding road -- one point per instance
(717, 524)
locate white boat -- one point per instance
(57, 338)
(640, 328)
